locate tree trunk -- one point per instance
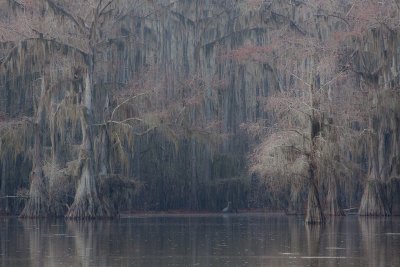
(57, 195)
(4, 201)
(296, 201)
(104, 157)
(194, 203)
(374, 201)
(87, 204)
(37, 204)
(394, 196)
(333, 207)
(103, 167)
(314, 210)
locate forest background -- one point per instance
(122, 105)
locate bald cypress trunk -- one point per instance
(332, 199)
(38, 202)
(295, 203)
(4, 203)
(87, 204)
(194, 204)
(57, 190)
(394, 196)
(37, 205)
(314, 209)
(374, 200)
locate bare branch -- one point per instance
(125, 102)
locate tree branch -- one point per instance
(78, 21)
(124, 102)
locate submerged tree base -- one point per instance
(374, 201)
(57, 210)
(334, 209)
(37, 205)
(314, 210)
(394, 196)
(88, 207)
(35, 208)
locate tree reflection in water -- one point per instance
(379, 239)
(201, 240)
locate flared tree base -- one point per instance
(87, 208)
(374, 200)
(334, 209)
(314, 210)
(37, 205)
(35, 208)
(394, 193)
(57, 210)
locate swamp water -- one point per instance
(201, 240)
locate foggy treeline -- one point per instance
(110, 106)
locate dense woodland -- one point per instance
(110, 106)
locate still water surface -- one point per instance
(201, 240)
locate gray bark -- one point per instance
(374, 201)
(314, 211)
(333, 205)
(37, 204)
(87, 204)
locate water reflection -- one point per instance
(207, 240)
(378, 233)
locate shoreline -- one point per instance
(185, 213)
(171, 213)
